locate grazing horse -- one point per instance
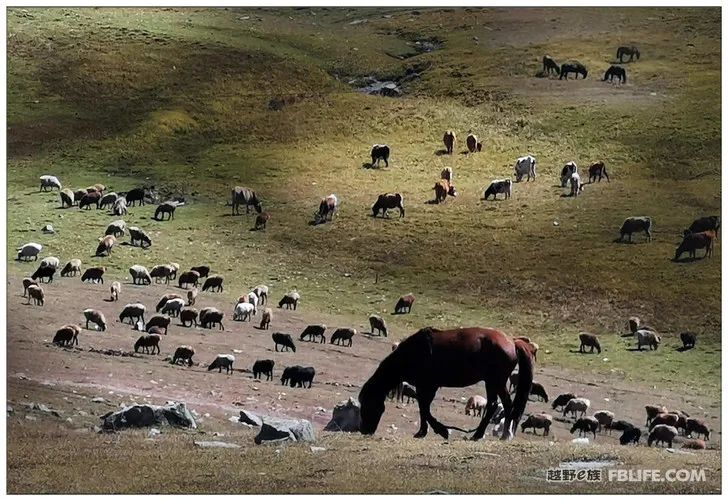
(615, 71)
(550, 65)
(456, 358)
(628, 51)
(573, 67)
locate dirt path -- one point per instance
(339, 371)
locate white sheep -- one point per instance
(29, 250)
(140, 275)
(120, 208)
(49, 182)
(50, 262)
(243, 311)
(108, 199)
(73, 267)
(96, 317)
(132, 311)
(262, 292)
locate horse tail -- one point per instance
(525, 379)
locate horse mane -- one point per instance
(392, 370)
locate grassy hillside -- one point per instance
(190, 100)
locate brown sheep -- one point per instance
(27, 282)
(35, 292)
(477, 404)
(449, 139)
(443, 188)
(652, 411)
(265, 319)
(536, 421)
(695, 444)
(664, 418)
(698, 426)
(105, 245)
(404, 305)
(588, 340)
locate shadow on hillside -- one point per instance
(440, 152)
(683, 348)
(687, 259)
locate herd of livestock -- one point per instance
(663, 425)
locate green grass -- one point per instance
(179, 98)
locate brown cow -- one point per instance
(443, 188)
(694, 241)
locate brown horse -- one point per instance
(433, 358)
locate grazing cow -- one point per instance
(596, 171)
(183, 354)
(498, 186)
(313, 332)
(404, 305)
(588, 340)
(378, 323)
(536, 421)
(472, 143)
(449, 140)
(165, 208)
(263, 367)
(566, 172)
(688, 340)
(694, 241)
(705, 224)
(443, 188)
(630, 435)
(380, 152)
(222, 361)
(387, 201)
(628, 51)
(615, 71)
(572, 67)
(245, 196)
(562, 400)
(285, 340)
(633, 224)
(290, 300)
(327, 209)
(550, 65)
(343, 336)
(647, 337)
(525, 166)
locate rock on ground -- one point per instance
(136, 416)
(346, 416)
(247, 417)
(216, 443)
(276, 430)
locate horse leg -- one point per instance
(490, 407)
(508, 424)
(424, 399)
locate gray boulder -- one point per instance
(247, 417)
(275, 430)
(216, 444)
(346, 416)
(137, 416)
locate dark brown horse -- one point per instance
(432, 358)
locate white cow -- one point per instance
(498, 186)
(525, 166)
